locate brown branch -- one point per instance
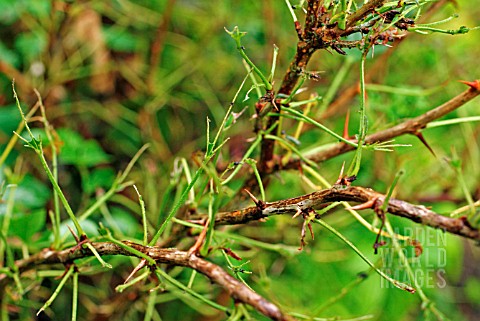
(363, 11)
(339, 105)
(237, 290)
(416, 213)
(408, 127)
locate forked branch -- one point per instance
(170, 256)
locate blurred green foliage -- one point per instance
(117, 74)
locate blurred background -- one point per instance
(114, 75)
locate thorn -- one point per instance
(75, 236)
(368, 204)
(345, 126)
(139, 266)
(472, 84)
(299, 211)
(80, 240)
(199, 242)
(257, 202)
(424, 142)
(275, 106)
(67, 267)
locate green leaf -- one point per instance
(79, 151)
(9, 117)
(124, 221)
(30, 45)
(31, 193)
(25, 225)
(119, 39)
(102, 177)
(9, 56)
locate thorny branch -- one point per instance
(411, 126)
(318, 33)
(417, 213)
(170, 256)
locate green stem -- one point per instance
(237, 35)
(177, 206)
(75, 296)
(300, 116)
(162, 274)
(58, 289)
(362, 131)
(396, 283)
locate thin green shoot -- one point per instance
(285, 250)
(238, 270)
(453, 16)
(298, 85)
(75, 296)
(363, 122)
(342, 21)
(254, 81)
(253, 164)
(162, 274)
(192, 278)
(67, 275)
(53, 146)
(403, 91)
(118, 185)
(274, 63)
(290, 9)
(384, 206)
(152, 298)
(463, 209)
(236, 34)
(144, 216)
(188, 175)
(314, 99)
(185, 193)
(108, 236)
(36, 145)
(210, 222)
(13, 140)
(396, 283)
(294, 114)
(385, 146)
(292, 148)
(309, 318)
(247, 154)
(404, 261)
(12, 270)
(456, 164)
(426, 30)
(10, 202)
(453, 121)
(341, 294)
(99, 258)
(122, 287)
